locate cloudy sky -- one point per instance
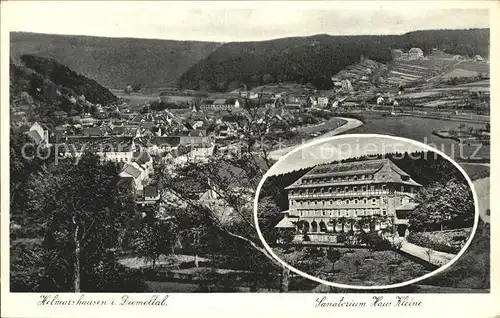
(343, 148)
(240, 21)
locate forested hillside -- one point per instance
(53, 86)
(115, 62)
(315, 59)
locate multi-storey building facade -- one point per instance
(331, 198)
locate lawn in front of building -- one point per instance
(357, 266)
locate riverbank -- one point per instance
(350, 124)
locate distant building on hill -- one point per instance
(413, 54)
(416, 53)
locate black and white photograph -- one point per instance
(366, 210)
(224, 147)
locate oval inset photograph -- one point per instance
(366, 211)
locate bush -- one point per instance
(421, 239)
(314, 252)
(375, 242)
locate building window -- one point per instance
(331, 201)
(363, 177)
(337, 190)
(300, 213)
(384, 187)
(372, 188)
(384, 212)
(374, 201)
(347, 201)
(354, 189)
(346, 189)
(330, 190)
(363, 188)
(323, 213)
(402, 188)
(356, 201)
(364, 201)
(338, 213)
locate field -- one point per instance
(460, 72)
(137, 99)
(476, 171)
(475, 66)
(420, 129)
(357, 267)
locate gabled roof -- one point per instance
(33, 134)
(389, 172)
(92, 131)
(130, 170)
(172, 141)
(141, 157)
(285, 223)
(220, 101)
(207, 102)
(407, 206)
(197, 133)
(209, 195)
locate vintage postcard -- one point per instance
(249, 158)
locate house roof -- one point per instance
(197, 133)
(147, 125)
(220, 101)
(389, 173)
(285, 223)
(141, 157)
(92, 131)
(130, 170)
(151, 191)
(172, 141)
(195, 140)
(415, 50)
(407, 206)
(99, 143)
(207, 102)
(209, 195)
(33, 134)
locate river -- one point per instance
(350, 124)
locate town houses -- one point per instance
(333, 198)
